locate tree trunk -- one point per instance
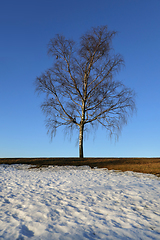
(81, 141)
(81, 130)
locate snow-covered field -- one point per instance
(78, 203)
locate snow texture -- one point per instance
(77, 203)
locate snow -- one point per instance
(77, 203)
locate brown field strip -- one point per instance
(143, 165)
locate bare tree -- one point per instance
(80, 87)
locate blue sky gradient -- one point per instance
(26, 28)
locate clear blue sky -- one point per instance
(25, 30)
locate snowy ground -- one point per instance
(78, 203)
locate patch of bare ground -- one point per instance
(143, 165)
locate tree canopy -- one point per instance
(80, 87)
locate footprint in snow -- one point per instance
(26, 232)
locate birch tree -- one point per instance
(80, 86)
